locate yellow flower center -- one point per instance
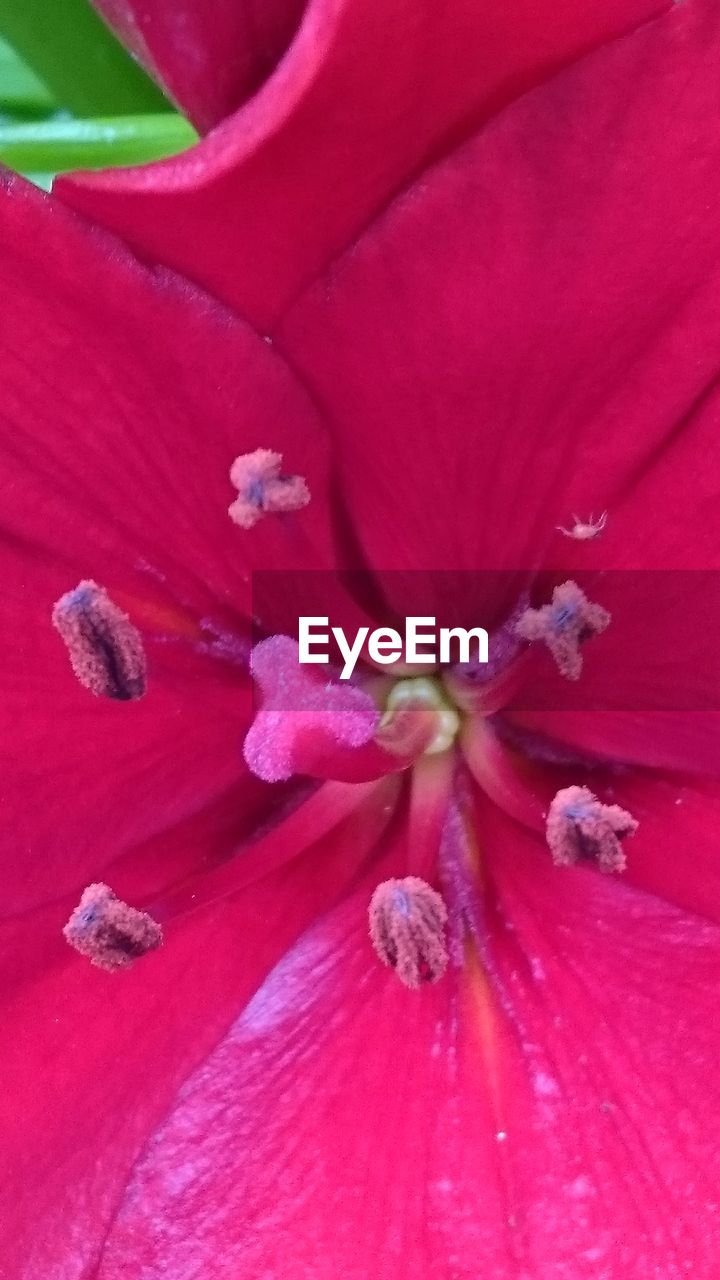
(430, 693)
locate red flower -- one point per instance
(209, 58)
(369, 92)
(523, 336)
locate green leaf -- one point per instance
(75, 56)
(54, 146)
(21, 93)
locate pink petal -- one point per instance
(368, 93)
(546, 1118)
(538, 317)
(209, 59)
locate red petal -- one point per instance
(124, 398)
(650, 684)
(685, 740)
(674, 852)
(541, 1121)
(539, 320)
(368, 92)
(91, 1064)
(207, 58)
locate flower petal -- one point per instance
(112, 1050)
(650, 684)
(673, 740)
(539, 317)
(541, 1121)
(124, 398)
(207, 59)
(674, 853)
(84, 779)
(159, 390)
(369, 91)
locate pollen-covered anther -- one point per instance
(580, 828)
(109, 932)
(407, 930)
(106, 650)
(563, 625)
(262, 489)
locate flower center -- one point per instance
(347, 746)
(426, 692)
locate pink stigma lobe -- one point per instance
(262, 489)
(300, 714)
(563, 625)
(407, 929)
(106, 650)
(580, 828)
(109, 932)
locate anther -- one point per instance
(262, 489)
(407, 929)
(109, 932)
(580, 828)
(105, 648)
(564, 625)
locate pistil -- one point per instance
(302, 720)
(422, 691)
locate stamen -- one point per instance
(407, 930)
(301, 717)
(564, 625)
(109, 932)
(262, 489)
(105, 648)
(581, 828)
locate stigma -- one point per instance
(564, 625)
(581, 828)
(407, 929)
(109, 932)
(106, 650)
(263, 489)
(299, 712)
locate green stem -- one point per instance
(54, 146)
